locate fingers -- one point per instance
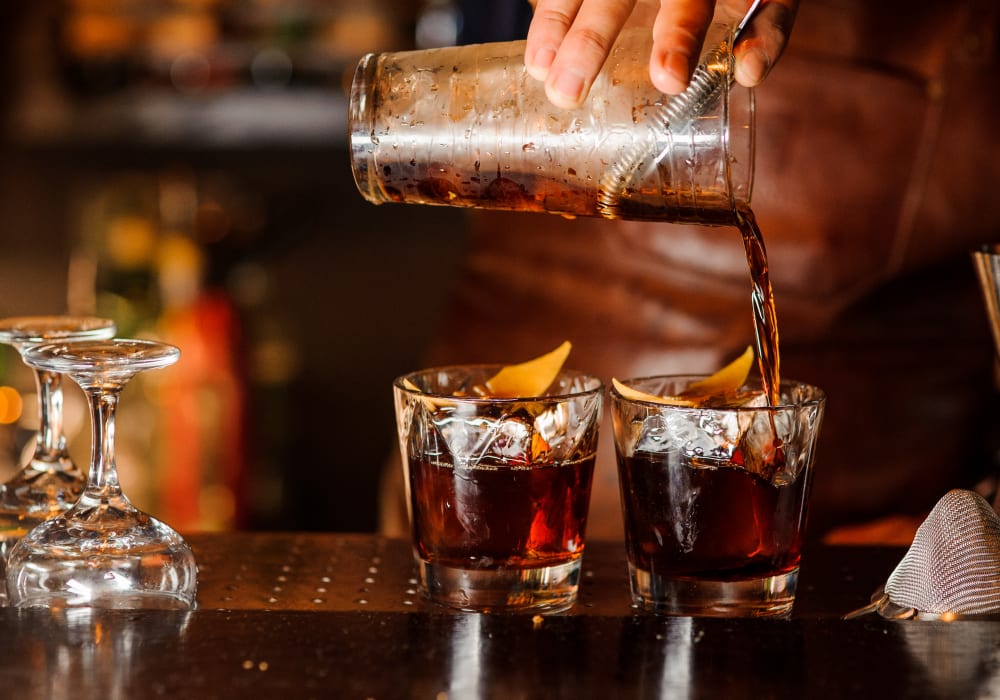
(568, 42)
(549, 24)
(763, 41)
(678, 33)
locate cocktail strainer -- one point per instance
(706, 86)
(951, 569)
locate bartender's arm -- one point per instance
(568, 40)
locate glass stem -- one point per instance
(51, 442)
(102, 482)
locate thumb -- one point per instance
(763, 40)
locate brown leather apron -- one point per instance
(877, 172)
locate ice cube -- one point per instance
(563, 426)
(475, 438)
(777, 444)
(708, 438)
(705, 435)
(650, 435)
(762, 448)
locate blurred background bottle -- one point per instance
(168, 164)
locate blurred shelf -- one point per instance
(212, 74)
(238, 118)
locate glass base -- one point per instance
(39, 491)
(13, 526)
(544, 589)
(769, 596)
(112, 601)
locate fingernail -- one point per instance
(541, 62)
(751, 67)
(674, 73)
(569, 84)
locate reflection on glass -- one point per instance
(681, 657)
(957, 661)
(466, 660)
(661, 655)
(99, 650)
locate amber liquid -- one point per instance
(441, 184)
(500, 517)
(762, 301)
(521, 192)
(721, 523)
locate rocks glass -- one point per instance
(498, 489)
(715, 497)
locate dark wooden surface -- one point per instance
(356, 573)
(338, 616)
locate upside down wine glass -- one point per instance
(103, 552)
(48, 482)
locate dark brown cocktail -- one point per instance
(715, 497)
(498, 488)
(500, 517)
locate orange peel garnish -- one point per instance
(530, 378)
(631, 394)
(727, 380)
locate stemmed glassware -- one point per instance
(49, 482)
(103, 552)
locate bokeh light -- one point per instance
(11, 405)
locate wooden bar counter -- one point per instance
(298, 616)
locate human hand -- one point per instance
(569, 40)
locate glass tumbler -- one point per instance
(715, 497)
(468, 127)
(498, 489)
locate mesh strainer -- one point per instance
(952, 567)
